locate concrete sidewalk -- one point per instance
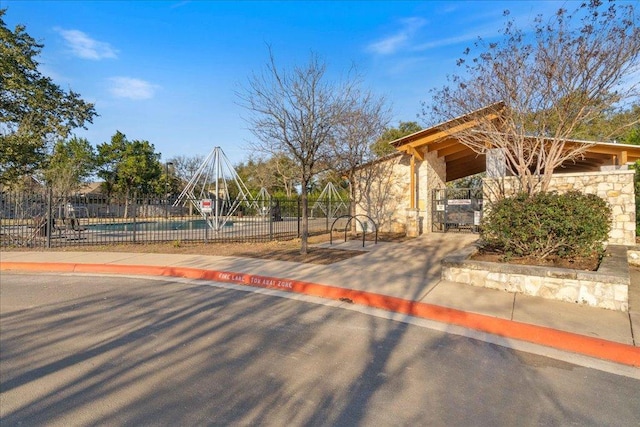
(402, 277)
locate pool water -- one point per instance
(197, 224)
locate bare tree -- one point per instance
(285, 173)
(295, 113)
(359, 128)
(185, 167)
(544, 85)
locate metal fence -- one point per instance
(456, 209)
(46, 220)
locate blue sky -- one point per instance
(168, 72)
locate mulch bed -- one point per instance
(580, 263)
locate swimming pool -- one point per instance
(194, 224)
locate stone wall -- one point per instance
(606, 288)
(436, 171)
(615, 186)
(384, 192)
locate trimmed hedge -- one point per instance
(548, 224)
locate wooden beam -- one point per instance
(443, 133)
(417, 154)
(581, 164)
(442, 144)
(586, 167)
(624, 158)
(412, 152)
(601, 156)
(452, 150)
(462, 154)
(603, 149)
(412, 183)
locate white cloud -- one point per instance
(127, 87)
(392, 43)
(85, 47)
(447, 41)
(180, 4)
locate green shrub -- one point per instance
(565, 225)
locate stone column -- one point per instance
(496, 163)
(414, 222)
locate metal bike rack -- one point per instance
(346, 227)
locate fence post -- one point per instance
(49, 224)
(206, 228)
(326, 228)
(134, 204)
(299, 214)
(271, 215)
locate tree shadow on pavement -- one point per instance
(88, 351)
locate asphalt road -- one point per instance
(86, 350)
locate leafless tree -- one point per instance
(185, 167)
(295, 112)
(573, 68)
(359, 128)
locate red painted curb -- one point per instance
(575, 343)
(38, 266)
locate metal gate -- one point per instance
(456, 209)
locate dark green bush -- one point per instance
(565, 225)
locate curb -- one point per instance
(580, 344)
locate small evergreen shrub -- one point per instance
(548, 224)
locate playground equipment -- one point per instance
(329, 202)
(208, 190)
(262, 202)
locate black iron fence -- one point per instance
(46, 220)
(456, 209)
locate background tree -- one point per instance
(276, 174)
(170, 184)
(70, 165)
(471, 181)
(614, 125)
(34, 111)
(573, 68)
(129, 166)
(257, 174)
(295, 113)
(185, 167)
(182, 170)
(285, 173)
(382, 147)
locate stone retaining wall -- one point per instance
(606, 288)
(633, 255)
(615, 186)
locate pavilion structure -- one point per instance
(427, 160)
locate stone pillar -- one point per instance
(435, 177)
(414, 223)
(496, 163)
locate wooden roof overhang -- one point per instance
(461, 161)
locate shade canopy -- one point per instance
(462, 161)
